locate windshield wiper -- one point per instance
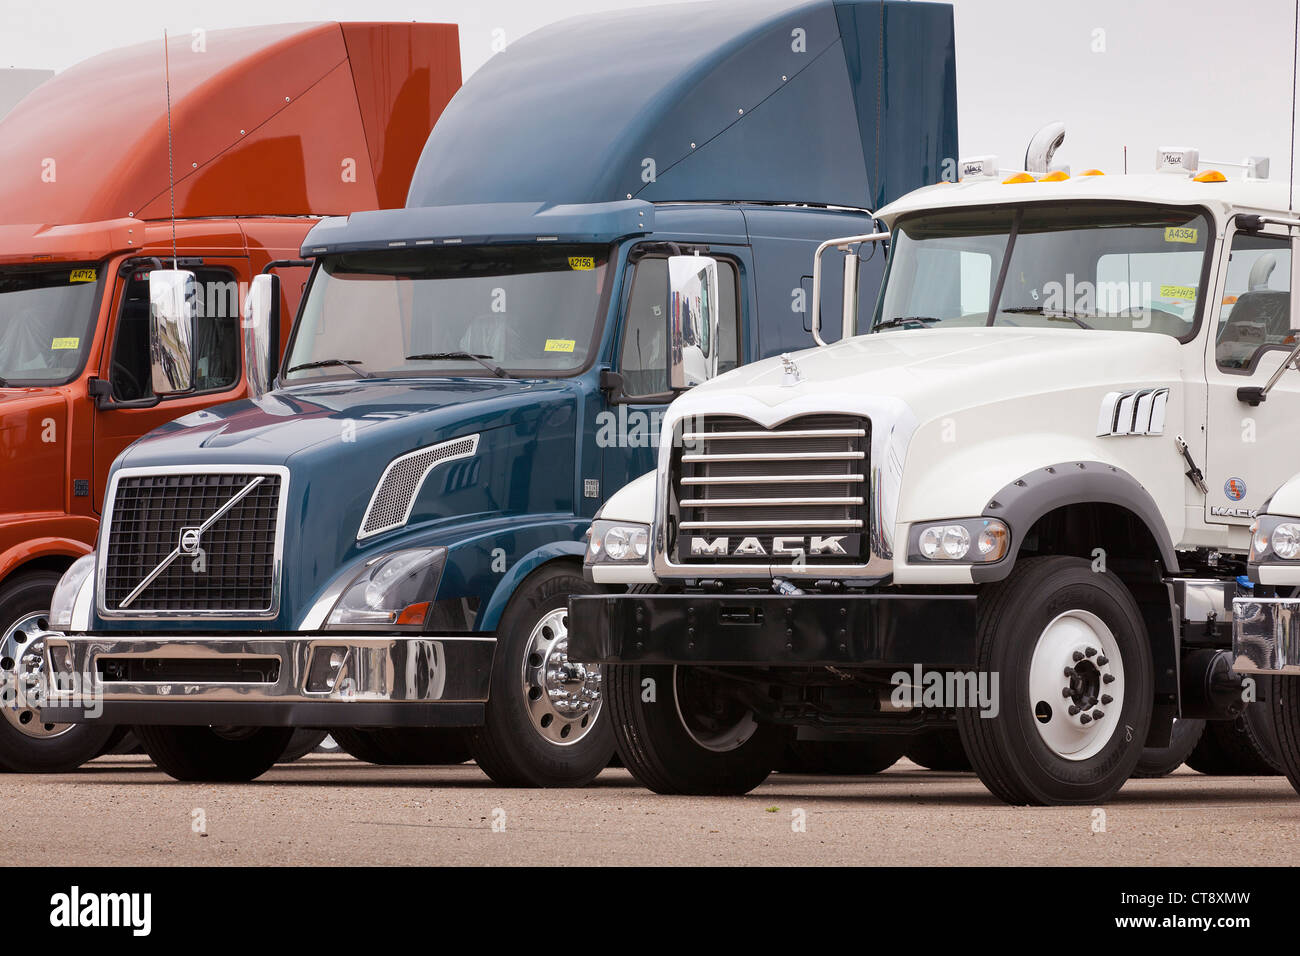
(327, 363)
(495, 369)
(1051, 316)
(898, 320)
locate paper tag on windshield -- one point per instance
(560, 345)
(83, 275)
(1180, 234)
(1178, 292)
(68, 343)
(582, 264)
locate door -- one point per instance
(627, 434)
(1251, 450)
(218, 377)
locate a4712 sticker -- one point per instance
(83, 275)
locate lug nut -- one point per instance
(1065, 692)
(1108, 678)
(1073, 710)
(1106, 698)
(1098, 715)
(1103, 661)
(1085, 719)
(1091, 652)
(1077, 655)
(1069, 672)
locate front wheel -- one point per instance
(1068, 648)
(1284, 697)
(544, 725)
(29, 744)
(683, 730)
(215, 754)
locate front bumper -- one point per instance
(861, 630)
(1266, 635)
(298, 680)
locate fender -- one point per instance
(525, 566)
(1025, 500)
(26, 551)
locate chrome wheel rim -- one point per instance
(1076, 685)
(719, 732)
(22, 669)
(562, 697)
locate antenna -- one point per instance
(1295, 42)
(171, 164)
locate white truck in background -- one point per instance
(1019, 502)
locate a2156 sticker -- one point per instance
(83, 275)
(582, 263)
(1180, 234)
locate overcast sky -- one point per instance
(1135, 73)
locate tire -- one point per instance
(725, 752)
(404, 746)
(527, 740)
(1284, 697)
(1033, 751)
(1246, 746)
(303, 742)
(214, 755)
(939, 750)
(26, 744)
(843, 757)
(1162, 761)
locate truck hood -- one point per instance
(934, 371)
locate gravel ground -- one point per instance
(331, 809)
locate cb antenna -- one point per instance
(171, 165)
(1295, 42)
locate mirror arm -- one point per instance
(843, 243)
(1254, 395)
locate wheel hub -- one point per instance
(563, 696)
(1076, 685)
(22, 677)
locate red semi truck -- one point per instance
(270, 128)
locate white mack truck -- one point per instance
(1016, 497)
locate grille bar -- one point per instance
(773, 523)
(764, 502)
(781, 456)
(768, 479)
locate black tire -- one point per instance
(513, 747)
(404, 746)
(21, 597)
(211, 755)
(939, 750)
(1162, 761)
(848, 758)
(1007, 750)
(303, 742)
(656, 746)
(1246, 746)
(1284, 696)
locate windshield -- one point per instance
(46, 316)
(1113, 266)
(481, 311)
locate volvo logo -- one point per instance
(190, 538)
(789, 545)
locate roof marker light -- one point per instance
(1092, 172)
(1055, 176)
(1018, 178)
(1210, 176)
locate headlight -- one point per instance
(617, 542)
(394, 588)
(1286, 540)
(966, 540)
(67, 590)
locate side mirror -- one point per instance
(849, 317)
(261, 332)
(692, 320)
(173, 298)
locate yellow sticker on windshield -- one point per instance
(83, 275)
(560, 345)
(1178, 292)
(1180, 234)
(582, 264)
(70, 343)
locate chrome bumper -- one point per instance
(285, 680)
(1266, 635)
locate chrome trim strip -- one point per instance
(277, 564)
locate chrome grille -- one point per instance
(768, 492)
(236, 571)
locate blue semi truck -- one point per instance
(384, 541)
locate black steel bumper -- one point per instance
(936, 631)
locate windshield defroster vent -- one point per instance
(394, 497)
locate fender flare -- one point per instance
(1022, 502)
(13, 560)
(520, 570)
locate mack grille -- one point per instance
(233, 568)
(749, 494)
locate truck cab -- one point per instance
(384, 544)
(1018, 501)
(91, 211)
